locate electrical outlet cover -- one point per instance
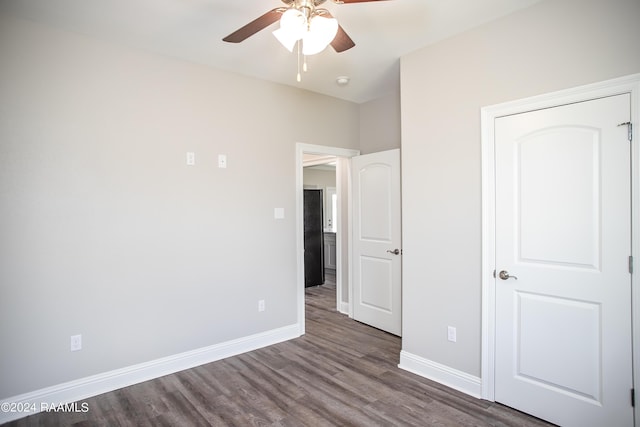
(76, 343)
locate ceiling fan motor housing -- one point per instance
(307, 7)
(302, 3)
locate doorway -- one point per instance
(314, 237)
(342, 156)
(557, 244)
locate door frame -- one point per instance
(628, 84)
(301, 150)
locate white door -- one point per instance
(563, 286)
(377, 240)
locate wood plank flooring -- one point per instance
(341, 373)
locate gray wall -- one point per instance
(105, 231)
(553, 45)
(321, 179)
(380, 124)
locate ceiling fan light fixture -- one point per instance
(294, 22)
(293, 26)
(285, 39)
(321, 32)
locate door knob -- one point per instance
(395, 251)
(504, 275)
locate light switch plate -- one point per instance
(278, 213)
(191, 158)
(451, 333)
(222, 161)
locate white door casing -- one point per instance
(563, 227)
(376, 236)
(301, 150)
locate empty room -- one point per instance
(478, 229)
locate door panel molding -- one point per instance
(629, 84)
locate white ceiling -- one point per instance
(193, 30)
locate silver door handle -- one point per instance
(504, 275)
(395, 251)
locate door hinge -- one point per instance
(633, 397)
(629, 126)
(630, 264)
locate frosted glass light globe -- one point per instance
(321, 32)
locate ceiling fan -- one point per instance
(301, 20)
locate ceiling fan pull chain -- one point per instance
(298, 77)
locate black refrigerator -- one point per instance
(313, 238)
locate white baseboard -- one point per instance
(73, 391)
(442, 374)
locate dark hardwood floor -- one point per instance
(341, 373)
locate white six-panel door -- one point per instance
(376, 250)
(563, 241)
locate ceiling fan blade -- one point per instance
(254, 26)
(342, 41)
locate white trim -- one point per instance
(442, 374)
(345, 308)
(349, 303)
(628, 84)
(301, 149)
(339, 237)
(83, 388)
(488, 255)
(635, 236)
